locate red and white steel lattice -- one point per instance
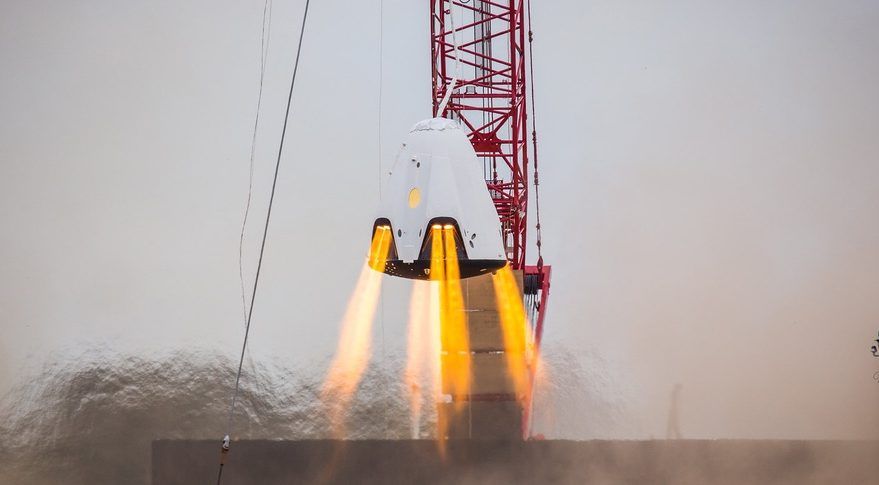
(489, 100)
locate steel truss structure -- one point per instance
(478, 48)
(488, 99)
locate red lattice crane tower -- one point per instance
(479, 47)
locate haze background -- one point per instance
(709, 176)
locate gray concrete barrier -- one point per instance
(489, 462)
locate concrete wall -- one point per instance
(493, 410)
(488, 462)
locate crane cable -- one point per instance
(534, 138)
(381, 48)
(224, 450)
(451, 88)
(264, 54)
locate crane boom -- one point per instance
(478, 49)
(489, 100)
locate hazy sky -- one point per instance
(710, 192)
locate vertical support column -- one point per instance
(492, 410)
(490, 100)
(490, 103)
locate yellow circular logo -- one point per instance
(414, 198)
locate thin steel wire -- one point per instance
(264, 236)
(264, 53)
(534, 136)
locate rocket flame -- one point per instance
(433, 338)
(353, 350)
(423, 348)
(378, 250)
(452, 332)
(518, 345)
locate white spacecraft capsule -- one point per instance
(438, 179)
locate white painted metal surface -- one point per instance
(437, 175)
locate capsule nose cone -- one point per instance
(437, 185)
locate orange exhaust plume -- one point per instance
(378, 250)
(433, 342)
(352, 354)
(454, 333)
(419, 354)
(437, 277)
(449, 326)
(518, 347)
(423, 357)
(437, 261)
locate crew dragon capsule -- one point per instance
(437, 182)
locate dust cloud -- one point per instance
(90, 417)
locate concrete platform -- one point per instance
(489, 462)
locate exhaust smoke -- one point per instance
(353, 351)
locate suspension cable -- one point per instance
(534, 137)
(226, 439)
(456, 74)
(381, 47)
(264, 54)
